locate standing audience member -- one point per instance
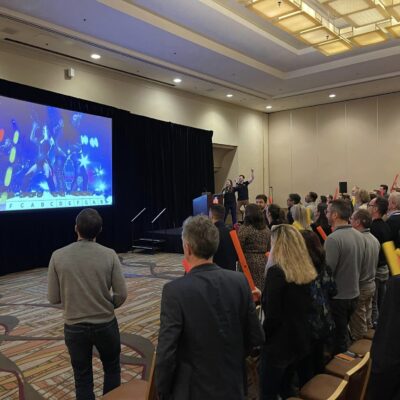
(300, 218)
(255, 240)
(394, 217)
(311, 205)
(208, 325)
(274, 215)
(229, 201)
(225, 256)
(323, 289)
(80, 278)
(384, 382)
(322, 221)
(287, 304)
(293, 199)
(362, 199)
(383, 190)
(361, 320)
(242, 187)
(345, 251)
(379, 228)
(262, 202)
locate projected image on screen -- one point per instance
(53, 158)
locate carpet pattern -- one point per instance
(34, 362)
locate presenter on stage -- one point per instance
(241, 186)
(208, 324)
(80, 278)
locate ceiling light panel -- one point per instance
(367, 17)
(369, 38)
(334, 47)
(297, 22)
(271, 9)
(345, 7)
(394, 30)
(317, 35)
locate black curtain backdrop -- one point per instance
(156, 165)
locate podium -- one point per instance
(201, 204)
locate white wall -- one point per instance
(314, 148)
(232, 125)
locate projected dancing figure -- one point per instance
(58, 158)
(42, 164)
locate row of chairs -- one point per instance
(343, 379)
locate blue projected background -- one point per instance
(53, 158)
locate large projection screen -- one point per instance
(53, 158)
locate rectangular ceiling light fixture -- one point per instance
(334, 47)
(392, 7)
(297, 22)
(345, 7)
(271, 9)
(367, 17)
(368, 38)
(394, 30)
(317, 35)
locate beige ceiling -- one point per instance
(215, 46)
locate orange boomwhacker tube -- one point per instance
(242, 259)
(335, 196)
(321, 232)
(186, 265)
(394, 182)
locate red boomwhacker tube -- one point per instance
(242, 259)
(321, 232)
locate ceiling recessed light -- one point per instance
(332, 95)
(229, 95)
(177, 80)
(95, 56)
(268, 107)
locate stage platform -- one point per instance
(172, 237)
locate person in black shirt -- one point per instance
(241, 186)
(274, 216)
(293, 199)
(261, 201)
(230, 200)
(378, 207)
(226, 256)
(394, 217)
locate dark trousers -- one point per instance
(281, 381)
(80, 339)
(232, 209)
(342, 309)
(377, 301)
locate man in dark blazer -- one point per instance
(225, 256)
(208, 325)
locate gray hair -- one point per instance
(394, 198)
(202, 236)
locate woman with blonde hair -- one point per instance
(287, 305)
(301, 219)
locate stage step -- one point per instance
(147, 244)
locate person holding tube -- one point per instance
(208, 324)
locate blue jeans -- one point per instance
(80, 339)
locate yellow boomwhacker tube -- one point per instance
(391, 257)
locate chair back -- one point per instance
(151, 393)
(358, 379)
(341, 392)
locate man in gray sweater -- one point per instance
(361, 319)
(80, 278)
(345, 252)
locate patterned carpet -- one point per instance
(33, 358)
